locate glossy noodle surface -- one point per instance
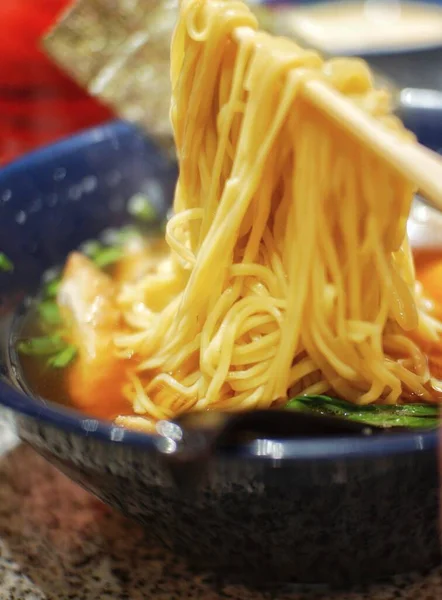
(287, 269)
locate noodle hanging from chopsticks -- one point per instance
(290, 269)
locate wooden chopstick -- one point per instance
(413, 161)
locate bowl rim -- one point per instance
(97, 133)
(73, 422)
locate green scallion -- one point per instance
(107, 256)
(142, 209)
(42, 346)
(63, 358)
(417, 416)
(6, 265)
(49, 313)
(51, 288)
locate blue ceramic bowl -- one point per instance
(310, 510)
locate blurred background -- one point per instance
(39, 103)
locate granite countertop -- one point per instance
(57, 542)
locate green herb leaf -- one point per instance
(102, 256)
(49, 312)
(107, 256)
(404, 415)
(125, 234)
(42, 346)
(63, 358)
(91, 248)
(141, 208)
(51, 288)
(6, 264)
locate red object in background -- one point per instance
(38, 103)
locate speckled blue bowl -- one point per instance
(320, 510)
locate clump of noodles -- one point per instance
(289, 267)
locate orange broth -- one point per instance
(52, 384)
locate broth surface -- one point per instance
(37, 375)
(51, 383)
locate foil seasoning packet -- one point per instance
(119, 50)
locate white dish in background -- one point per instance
(366, 28)
(424, 226)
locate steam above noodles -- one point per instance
(289, 268)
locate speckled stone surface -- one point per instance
(58, 543)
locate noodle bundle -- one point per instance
(290, 270)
